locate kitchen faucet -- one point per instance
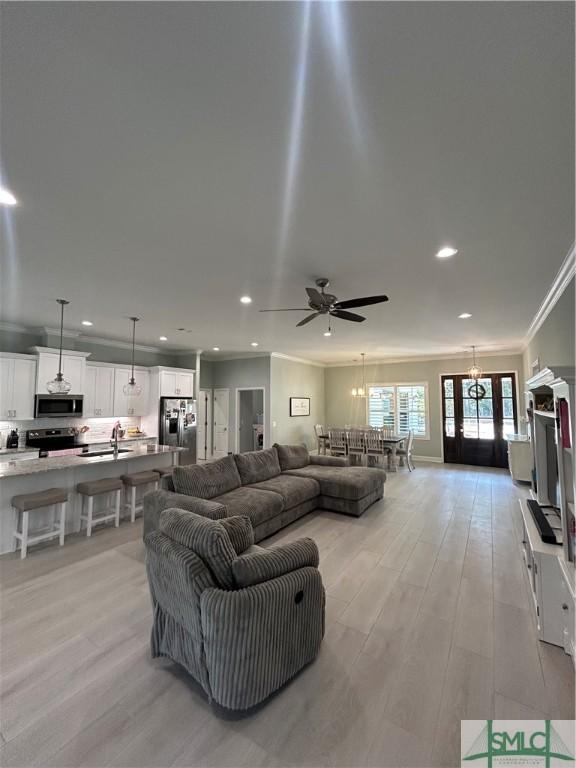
(114, 437)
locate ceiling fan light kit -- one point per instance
(323, 303)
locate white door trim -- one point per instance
(208, 425)
(237, 412)
(215, 390)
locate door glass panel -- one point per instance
(508, 407)
(507, 428)
(471, 428)
(507, 387)
(448, 388)
(470, 409)
(486, 428)
(449, 428)
(450, 408)
(485, 408)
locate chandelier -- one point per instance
(361, 391)
(132, 389)
(474, 372)
(58, 385)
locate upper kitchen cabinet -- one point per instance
(17, 386)
(130, 405)
(176, 383)
(98, 390)
(73, 368)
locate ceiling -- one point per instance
(171, 157)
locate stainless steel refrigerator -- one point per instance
(178, 426)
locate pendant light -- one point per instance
(59, 385)
(360, 391)
(132, 389)
(474, 372)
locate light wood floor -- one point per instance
(428, 623)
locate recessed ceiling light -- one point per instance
(87, 322)
(246, 300)
(163, 338)
(464, 315)
(216, 349)
(446, 252)
(253, 343)
(7, 198)
(327, 333)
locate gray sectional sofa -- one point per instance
(272, 488)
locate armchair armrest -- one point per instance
(258, 567)
(156, 502)
(329, 461)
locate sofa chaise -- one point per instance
(240, 619)
(272, 488)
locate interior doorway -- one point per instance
(249, 419)
(477, 415)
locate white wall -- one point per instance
(554, 342)
(294, 379)
(342, 408)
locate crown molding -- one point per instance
(293, 359)
(559, 285)
(56, 332)
(55, 351)
(464, 355)
(101, 341)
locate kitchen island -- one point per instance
(67, 471)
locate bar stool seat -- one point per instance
(163, 471)
(91, 488)
(133, 481)
(25, 503)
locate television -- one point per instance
(553, 481)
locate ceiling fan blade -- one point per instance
(314, 295)
(307, 319)
(366, 301)
(295, 309)
(347, 316)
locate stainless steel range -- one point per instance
(51, 442)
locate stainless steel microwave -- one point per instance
(56, 406)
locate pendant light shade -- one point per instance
(474, 372)
(132, 389)
(360, 391)
(58, 385)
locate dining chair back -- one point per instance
(375, 445)
(406, 450)
(338, 442)
(357, 443)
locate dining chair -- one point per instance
(375, 446)
(338, 442)
(321, 438)
(406, 450)
(357, 443)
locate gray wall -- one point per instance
(293, 379)
(342, 408)
(554, 342)
(243, 372)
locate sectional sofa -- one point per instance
(273, 488)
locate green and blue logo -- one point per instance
(531, 742)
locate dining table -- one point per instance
(392, 441)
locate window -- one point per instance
(401, 407)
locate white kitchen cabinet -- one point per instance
(98, 391)
(176, 384)
(73, 368)
(125, 405)
(17, 387)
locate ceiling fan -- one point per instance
(327, 304)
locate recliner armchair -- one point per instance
(242, 620)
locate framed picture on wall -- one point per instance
(299, 406)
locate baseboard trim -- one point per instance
(433, 459)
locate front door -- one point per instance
(221, 420)
(477, 416)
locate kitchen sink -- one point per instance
(91, 454)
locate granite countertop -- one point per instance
(55, 463)
(104, 440)
(23, 449)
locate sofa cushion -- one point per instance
(207, 480)
(206, 538)
(294, 490)
(239, 529)
(343, 482)
(255, 466)
(292, 456)
(258, 505)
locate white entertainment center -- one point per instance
(548, 524)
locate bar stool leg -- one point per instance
(62, 522)
(133, 504)
(89, 520)
(24, 545)
(117, 518)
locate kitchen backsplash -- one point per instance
(100, 429)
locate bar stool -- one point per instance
(25, 503)
(149, 477)
(163, 471)
(94, 488)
